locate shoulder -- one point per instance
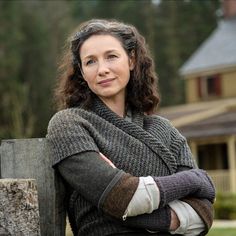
(69, 114)
(164, 127)
(160, 119)
(66, 117)
(160, 122)
(65, 114)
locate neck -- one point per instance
(117, 105)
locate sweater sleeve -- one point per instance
(107, 188)
(67, 136)
(112, 191)
(194, 182)
(84, 178)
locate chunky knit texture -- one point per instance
(160, 217)
(149, 145)
(185, 183)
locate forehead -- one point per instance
(100, 44)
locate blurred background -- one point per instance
(193, 43)
(33, 33)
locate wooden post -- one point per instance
(193, 147)
(19, 210)
(232, 161)
(31, 158)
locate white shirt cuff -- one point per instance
(190, 222)
(146, 198)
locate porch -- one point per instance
(218, 157)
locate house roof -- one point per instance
(216, 53)
(204, 119)
(222, 124)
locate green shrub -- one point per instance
(225, 206)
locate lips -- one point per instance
(105, 81)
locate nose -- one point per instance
(103, 68)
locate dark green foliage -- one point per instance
(180, 28)
(29, 48)
(32, 34)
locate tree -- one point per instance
(32, 34)
(29, 49)
(181, 27)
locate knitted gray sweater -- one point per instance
(76, 130)
(149, 145)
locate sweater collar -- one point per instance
(100, 108)
(136, 129)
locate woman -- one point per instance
(125, 168)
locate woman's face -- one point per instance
(105, 66)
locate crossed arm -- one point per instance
(115, 190)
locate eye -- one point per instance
(90, 62)
(111, 56)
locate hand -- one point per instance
(175, 223)
(194, 182)
(206, 186)
(107, 160)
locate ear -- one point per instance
(131, 61)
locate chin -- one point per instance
(107, 94)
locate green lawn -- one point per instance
(222, 232)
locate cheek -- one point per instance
(125, 68)
(88, 78)
(91, 84)
(127, 71)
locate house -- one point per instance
(208, 119)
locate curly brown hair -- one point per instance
(72, 90)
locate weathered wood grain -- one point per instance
(31, 158)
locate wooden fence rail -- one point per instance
(31, 159)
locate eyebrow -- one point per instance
(106, 52)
